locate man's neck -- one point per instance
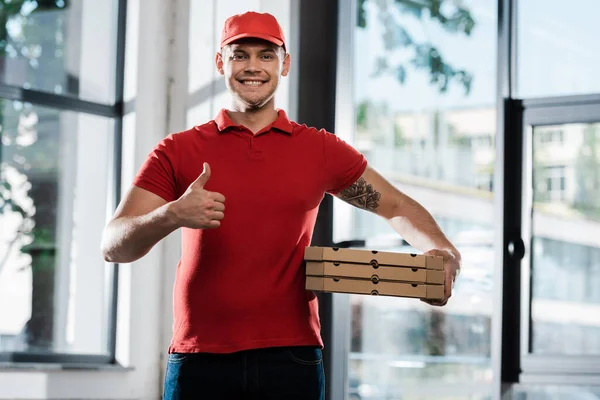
(255, 119)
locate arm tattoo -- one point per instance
(361, 195)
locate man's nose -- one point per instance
(253, 64)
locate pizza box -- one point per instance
(367, 271)
(381, 288)
(373, 257)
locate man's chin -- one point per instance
(254, 104)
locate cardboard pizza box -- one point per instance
(364, 286)
(367, 271)
(375, 258)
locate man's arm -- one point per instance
(143, 219)
(372, 192)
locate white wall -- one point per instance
(171, 84)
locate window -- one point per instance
(65, 47)
(554, 48)
(543, 392)
(560, 319)
(57, 178)
(565, 278)
(424, 106)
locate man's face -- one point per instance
(252, 69)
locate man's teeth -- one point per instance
(253, 83)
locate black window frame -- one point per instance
(535, 368)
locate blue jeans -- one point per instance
(277, 373)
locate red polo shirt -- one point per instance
(241, 286)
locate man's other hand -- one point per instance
(451, 269)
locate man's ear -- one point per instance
(286, 65)
(219, 63)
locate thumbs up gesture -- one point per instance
(198, 208)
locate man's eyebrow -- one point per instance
(264, 50)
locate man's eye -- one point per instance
(238, 57)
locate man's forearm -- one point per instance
(127, 239)
(418, 227)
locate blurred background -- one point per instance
(487, 112)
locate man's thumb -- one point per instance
(204, 176)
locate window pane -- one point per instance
(425, 86)
(539, 392)
(62, 47)
(566, 241)
(557, 47)
(53, 207)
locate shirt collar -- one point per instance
(282, 123)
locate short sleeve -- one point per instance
(343, 163)
(158, 172)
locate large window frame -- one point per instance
(114, 111)
(544, 368)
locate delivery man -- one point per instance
(245, 189)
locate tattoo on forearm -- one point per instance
(361, 195)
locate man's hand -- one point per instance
(198, 208)
(451, 269)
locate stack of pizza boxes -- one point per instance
(336, 270)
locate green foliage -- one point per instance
(12, 8)
(39, 154)
(425, 55)
(7, 198)
(362, 113)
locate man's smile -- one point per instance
(252, 82)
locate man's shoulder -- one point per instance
(195, 131)
(207, 127)
(183, 141)
(305, 129)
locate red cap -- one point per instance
(253, 25)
